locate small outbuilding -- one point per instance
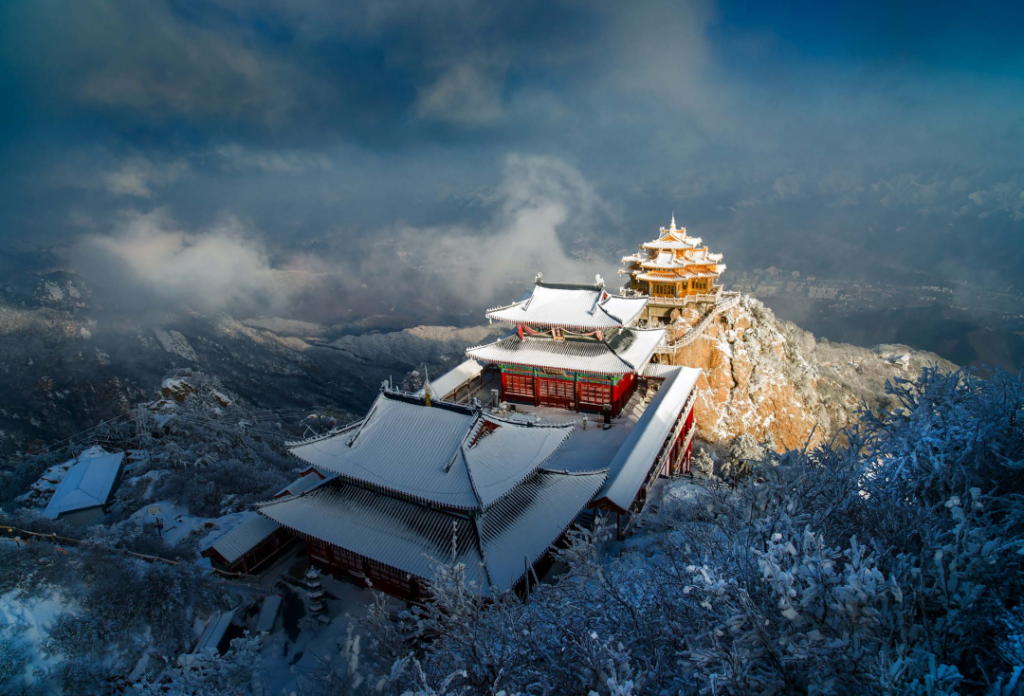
(249, 546)
(87, 487)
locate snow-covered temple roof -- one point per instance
(301, 484)
(447, 455)
(454, 378)
(673, 237)
(632, 464)
(571, 306)
(668, 260)
(675, 277)
(214, 632)
(496, 545)
(674, 256)
(623, 353)
(87, 484)
(246, 536)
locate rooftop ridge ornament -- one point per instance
(673, 227)
(539, 278)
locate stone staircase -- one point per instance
(727, 303)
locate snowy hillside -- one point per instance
(66, 367)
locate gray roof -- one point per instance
(87, 484)
(659, 370)
(268, 613)
(303, 483)
(453, 379)
(448, 455)
(245, 537)
(576, 306)
(625, 352)
(634, 460)
(215, 629)
(495, 546)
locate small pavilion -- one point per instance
(675, 266)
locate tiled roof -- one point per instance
(524, 525)
(246, 536)
(659, 370)
(395, 532)
(453, 379)
(433, 453)
(585, 307)
(632, 464)
(678, 277)
(299, 485)
(496, 548)
(625, 352)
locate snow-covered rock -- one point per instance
(772, 380)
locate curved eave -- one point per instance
(652, 265)
(625, 371)
(571, 327)
(690, 243)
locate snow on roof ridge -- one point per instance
(323, 436)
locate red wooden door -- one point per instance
(556, 392)
(518, 386)
(595, 394)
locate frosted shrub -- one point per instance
(888, 561)
(14, 656)
(704, 463)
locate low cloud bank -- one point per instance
(150, 262)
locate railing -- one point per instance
(694, 333)
(659, 301)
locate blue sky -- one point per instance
(314, 138)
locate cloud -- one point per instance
(463, 93)
(235, 158)
(137, 176)
(382, 126)
(149, 261)
(541, 202)
(147, 58)
(1002, 197)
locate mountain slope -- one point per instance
(773, 380)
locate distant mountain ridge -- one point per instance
(66, 365)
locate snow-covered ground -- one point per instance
(175, 524)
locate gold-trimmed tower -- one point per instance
(673, 270)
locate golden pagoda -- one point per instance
(674, 268)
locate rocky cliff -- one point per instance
(773, 380)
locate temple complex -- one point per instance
(574, 346)
(672, 270)
(437, 476)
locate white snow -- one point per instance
(447, 383)
(633, 461)
(87, 484)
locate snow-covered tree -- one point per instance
(888, 561)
